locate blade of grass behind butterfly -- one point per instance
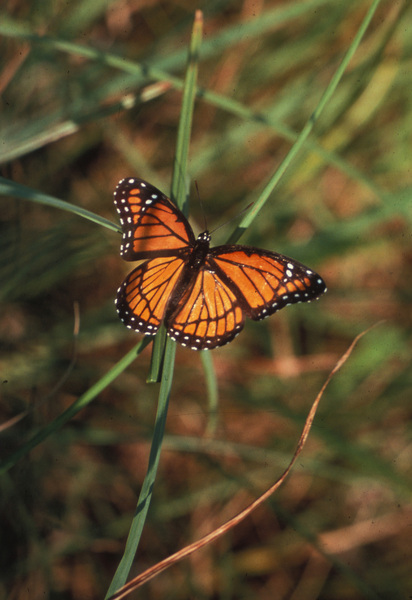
(17, 190)
(178, 188)
(80, 403)
(145, 495)
(304, 134)
(212, 391)
(159, 364)
(139, 74)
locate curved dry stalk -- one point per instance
(212, 536)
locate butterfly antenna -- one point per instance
(201, 206)
(233, 218)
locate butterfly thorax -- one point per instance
(200, 251)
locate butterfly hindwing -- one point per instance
(143, 297)
(151, 223)
(207, 315)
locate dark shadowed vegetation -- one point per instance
(91, 92)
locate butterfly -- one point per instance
(201, 294)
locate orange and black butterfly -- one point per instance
(201, 294)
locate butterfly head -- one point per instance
(204, 238)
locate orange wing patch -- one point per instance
(265, 280)
(143, 297)
(150, 222)
(208, 315)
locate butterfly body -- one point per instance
(201, 294)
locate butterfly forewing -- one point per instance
(151, 224)
(266, 281)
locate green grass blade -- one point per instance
(301, 140)
(178, 188)
(212, 391)
(17, 30)
(145, 496)
(17, 190)
(142, 73)
(159, 364)
(186, 117)
(80, 403)
(22, 139)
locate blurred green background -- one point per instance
(91, 93)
